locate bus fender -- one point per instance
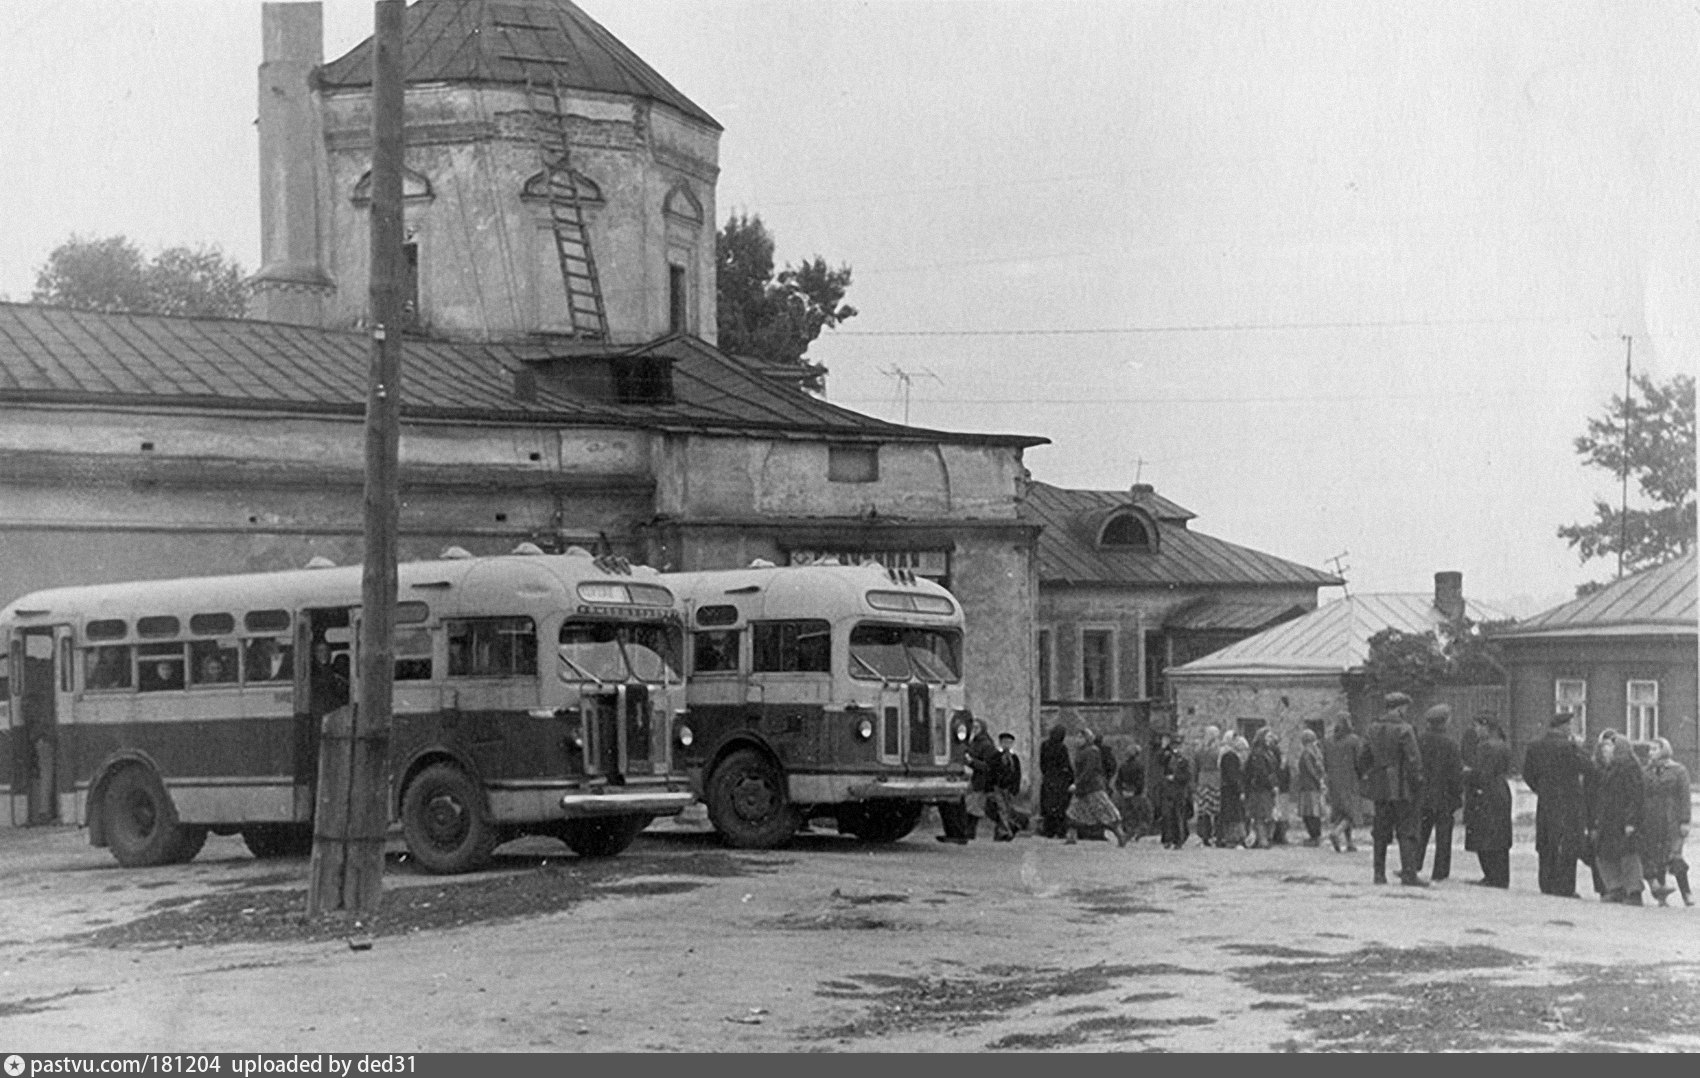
(95, 807)
(425, 757)
(740, 739)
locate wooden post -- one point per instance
(348, 847)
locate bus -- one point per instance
(534, 694)
(820, 691)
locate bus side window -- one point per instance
(107, 667)
(212, 663)
(492, 647)
(413, 655)
(5, 676)
(267, 659)
(715, 652)
(159, 667)
(792, 647)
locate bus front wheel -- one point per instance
(141, 822)
(602, 837)
(747, 803)
(443, 819)
(880, 822)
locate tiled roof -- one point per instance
(1654, 601)
(476, 40)
(57, 355)
(1331, 639)
(1069, 554)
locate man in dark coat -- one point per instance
(1006, 787)
(1390, 766)
(1555, 768)
(1443, 790)
(1056, 775)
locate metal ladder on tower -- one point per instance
(586, 313)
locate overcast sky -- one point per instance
(1342, 278)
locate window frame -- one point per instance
(1044, 643)
(1635, 715)
(1108, 632)
(1578, 709)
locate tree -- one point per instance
(111, 275)
(1659, 453)
(774, 318)
(1460, 652)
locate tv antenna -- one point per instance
(906, 383)
(1338, 563)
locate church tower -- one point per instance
(555, 183)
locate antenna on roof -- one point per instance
(906, 381)
(1338, 562)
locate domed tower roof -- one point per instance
(477, 41)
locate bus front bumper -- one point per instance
(904, 788)
(590, 804)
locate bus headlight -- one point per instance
(685, 736)
(962, 731)
(865, 729)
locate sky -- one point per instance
(1344, 279)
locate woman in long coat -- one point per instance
(1056, 775)
(1614, 817)
(1090, 805)
(1262, 781)
(1230, 807)
(1664, 818)
(1340, 766)
(1487, 806)
(1308, 771)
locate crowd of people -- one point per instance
(1622, 809)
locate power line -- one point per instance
(1235, 327)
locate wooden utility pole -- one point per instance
(1628, 410)
(348, 847)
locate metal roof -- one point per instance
(1331, 639)
(1214, 614)
(476, 40)
(1069, 552)
(1657, 601)
(55, 355)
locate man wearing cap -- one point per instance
(1443, 790)
(1006, 786)
(1391, 767)
(1555, 768)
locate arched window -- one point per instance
(1127, 529)
(537, 187)
(682, 204)
(414, 188)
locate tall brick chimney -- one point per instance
(1449, 594)
(292, 284)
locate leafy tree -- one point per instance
(774, 317)
(111, 275)
(1461, 652)
(1659, 454)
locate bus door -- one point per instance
(42, 665)
(324, 682)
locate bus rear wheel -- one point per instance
(443, 819)
(880, 822)
(747, 802)
(141, 822)
(603, 837)
(267, 841)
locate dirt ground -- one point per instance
(682, 945)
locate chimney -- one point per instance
(1449, 594)
(1142, 490)
(291, 285)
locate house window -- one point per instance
(853, 463)
(1097, 664)
(1045, 665)
(1571, 695)
(410, 285)
(676, 299)
(1643, 710)
(1128, 531)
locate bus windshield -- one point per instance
(895, 653)
(607, 652)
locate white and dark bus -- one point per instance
(820, 691)
(534, 694)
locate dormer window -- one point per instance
(1128, 530)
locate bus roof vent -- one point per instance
(321, 562)
(576, 552)
(528, 548)
(455, 553)
(761, 563)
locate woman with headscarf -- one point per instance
(1340, 766)
(1308, 772)
(1207, 784)
(1131, 801)
(1056, 775)
(1665, 819)
(1090, 805)
(1487, 804)
(1230, 818)
(1614, 819)
(1262, 781)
